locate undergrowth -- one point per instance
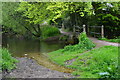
(98, 63)
(71, 51)
(7, 62)
(49, 31)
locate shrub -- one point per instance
(7, 62)
(49, 31)
(85, 42)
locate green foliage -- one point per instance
(71, 51)
(7, 62)
(111, 40)
(97, 63)
(35, 12)
(49, 31)
(12, 21)
(107, 14)
(93, 64)
(85, 42)
(39, 12)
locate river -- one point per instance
(36, 50)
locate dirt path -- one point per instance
(100, 43)
(65, 33)
(29, 68)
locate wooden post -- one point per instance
(102, 31)
(84, 28)
(74, 28)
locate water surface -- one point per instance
(35, 49)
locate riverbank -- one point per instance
(29, 68)
(89, 63)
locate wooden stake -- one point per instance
(84, 28)
(102, 31)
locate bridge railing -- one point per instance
(83, 29)
(78, 28)
(95, 28)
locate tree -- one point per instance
(38, 12)
(107, 14)
(13, 21)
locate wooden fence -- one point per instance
(94, 32)
(77, 29)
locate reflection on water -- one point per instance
(35, 49)
(19, 47)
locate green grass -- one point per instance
(97, 63)
(72, 51)
(111, 40)
(101, 62)
(60, 56)
(7, 62)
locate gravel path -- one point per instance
(28, 68)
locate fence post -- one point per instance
(74, 28)
(84, 28)
(102, 31)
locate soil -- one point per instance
(29, 68)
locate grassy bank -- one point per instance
(72, 51)
(7, 62)
(95, 63)
(101, 62)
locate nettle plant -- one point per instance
(85, 42)
(8, 62)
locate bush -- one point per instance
(49, 31)
(85, 42)
(7, 62)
